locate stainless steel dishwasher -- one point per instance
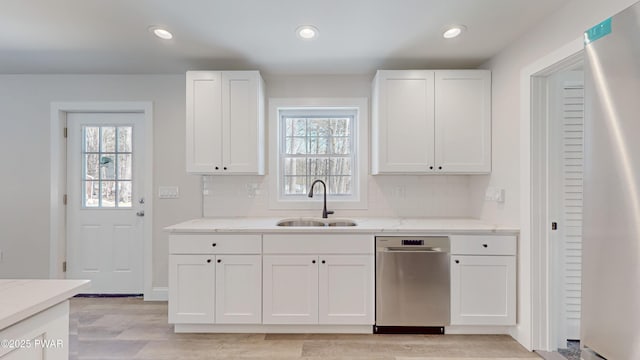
(412, 284)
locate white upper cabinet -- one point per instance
(225, 122)
(403, 121)
(431, 122)
(463, 121)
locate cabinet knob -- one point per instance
(457, 261)
(214, 244)
(323, 261)
(208, 260)
(224, 168)
(431, 167)
(485, 245)
(313, 261)
(439, 167)
(217, 168)
(219, 261)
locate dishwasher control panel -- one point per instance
(413, 242)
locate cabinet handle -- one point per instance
(217, 168)
(224, 168)
(485, 245)
(214, 244)
(208, 260)
(219, 261)
(457, 261)
(313, 261)
(323, 261)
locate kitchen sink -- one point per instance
(301, 222)
(341, 223)
(315, 222)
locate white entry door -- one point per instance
(105, 207)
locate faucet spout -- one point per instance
(325, 213)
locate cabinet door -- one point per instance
(346, 289)
(242, 122)
(191, 289)
(238, 289)
(204, 122)
(290, 284)
(403, 122)
(483, 290)
(463, 121)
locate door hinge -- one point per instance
(554, 226)
(64, 266)
(65, 132)
(64, 199)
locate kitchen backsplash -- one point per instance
(404, 196)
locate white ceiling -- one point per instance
(356, 36)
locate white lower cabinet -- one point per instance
(192, 289)
(483, 285)
(238, 289)
(318, 289)
(290, 289)
(215, 278)
(346, 294)
(221, 289)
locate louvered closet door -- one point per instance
(571, 147)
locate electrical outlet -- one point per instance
(399, 191)
(252, 190)
(494, 194)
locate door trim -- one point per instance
(58, 183)
(534, 283)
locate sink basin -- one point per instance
(301, 222)
(315, 222)
(341, 223)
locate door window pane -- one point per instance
(107, 169)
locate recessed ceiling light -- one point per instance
(307, 32)
(454, 31)
(162, 33)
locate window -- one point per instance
(317, 144)
(107, 166)
(318, 138)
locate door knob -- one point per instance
(140, 213)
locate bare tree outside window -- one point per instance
(316, 145)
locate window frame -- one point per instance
(358, 107)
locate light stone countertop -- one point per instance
(364, 225)
(20, 299)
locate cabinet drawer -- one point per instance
(214, 244)
(483, 245)
(318, 244)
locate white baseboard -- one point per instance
(477, 330)
(157, 294)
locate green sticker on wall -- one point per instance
(598, 31)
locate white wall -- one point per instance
(562, 27)
(417, 196)
(24, 144)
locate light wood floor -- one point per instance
(129, 328)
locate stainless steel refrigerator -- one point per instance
(611, 218)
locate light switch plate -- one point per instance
(168, 192)
(494, 194)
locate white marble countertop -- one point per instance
(20, 299)
(364, 225)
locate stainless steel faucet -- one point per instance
(325, 213)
